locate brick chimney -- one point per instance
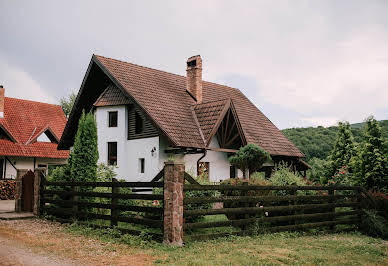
(2, 90)
(194, 77)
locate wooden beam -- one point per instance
(232, 139)
(222, 150)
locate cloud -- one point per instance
(301, 62)
(19, 84)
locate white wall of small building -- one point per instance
(129, 152)
(26, 163)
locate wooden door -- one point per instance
(28, 191)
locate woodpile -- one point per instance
(7, 189)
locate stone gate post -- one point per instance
(174, 176)
(39, 175)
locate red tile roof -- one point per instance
(24, 120)
(163, 97)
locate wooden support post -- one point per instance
(173, 203)
(331, 193)
(359, 207)
(292, 202)
(114, 201)
(75, 203)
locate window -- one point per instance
(112, 153)
(138, 123)
(113, 119)
(203, 168)
(141, 165)
(42, 165)
(232, 172)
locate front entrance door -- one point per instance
(28, 191)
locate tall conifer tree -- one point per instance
(85, 153)
(342, 151)
(371, 164)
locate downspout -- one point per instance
(204, 154)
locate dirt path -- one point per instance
(12, 253)
(39, 242)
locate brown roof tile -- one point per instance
(164, 98)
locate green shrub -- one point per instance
(250, 157)
(203, 180)
(283, 176)
(255, 180)
(374, 224)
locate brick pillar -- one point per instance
(39, 175)
(173, 203)
(19, 189)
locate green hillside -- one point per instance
(318, 141)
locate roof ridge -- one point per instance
(210, 82)
(198, 104)
(31, 101)
(150, 68)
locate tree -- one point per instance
(342, 151)
(67, 103)
(85, 153)
(250, 157)
(371, 163)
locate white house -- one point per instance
(144, 116)
(29, 135)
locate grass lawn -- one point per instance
(267, 249)
(108, 247)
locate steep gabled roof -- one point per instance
(164, 99)
(25, 120)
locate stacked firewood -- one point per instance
(7, 189)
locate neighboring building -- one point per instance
(29, 135)
(145, 115)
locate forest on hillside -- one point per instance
(317, 142)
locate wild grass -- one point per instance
(302, 248)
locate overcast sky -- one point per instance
(303, 63)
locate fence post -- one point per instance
(173, 203)
(74, 199)
(114, 201)
(332, 201)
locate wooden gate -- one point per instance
(28, 191)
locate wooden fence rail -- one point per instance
(70, 201)
(271, 212)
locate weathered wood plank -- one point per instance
(327, 215)
(265, 198)
(104, 195)
(240, 187)
(105, 184)
(69, 203)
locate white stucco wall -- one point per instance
(218, 161)
(28, 163)
(128, 151)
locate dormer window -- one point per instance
(113, 118)
(138, 123)
(47, 136)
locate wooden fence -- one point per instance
(245, 209)
(106, 205)
(193, 211)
